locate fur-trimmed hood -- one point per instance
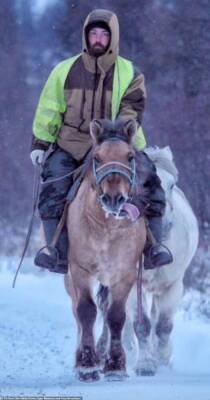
(109, 57)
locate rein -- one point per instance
(36, 189)
(60, 177)
(139, 293)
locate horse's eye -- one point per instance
(130, 157)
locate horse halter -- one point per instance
(111, 167)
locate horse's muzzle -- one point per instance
(112, 203)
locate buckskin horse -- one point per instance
(148, 340)
(105, 245)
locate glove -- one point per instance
(37, 157)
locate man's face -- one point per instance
(98, 39)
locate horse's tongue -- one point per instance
(132, 211)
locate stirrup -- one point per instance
(53, 252)
(151, 260)
(49, 260)
(60, 268)
(164, 248)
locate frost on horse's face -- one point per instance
(115, 187)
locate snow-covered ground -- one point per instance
(37, 343)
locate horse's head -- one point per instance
(113, 162)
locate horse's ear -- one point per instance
(96, 128)
(130, 129)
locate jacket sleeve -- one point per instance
(49, 112)
(133, 103)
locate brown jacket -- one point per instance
(88, 92)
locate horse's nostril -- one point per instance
(120, 200)
(113, 202)
(106, 199)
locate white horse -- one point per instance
(162, 288)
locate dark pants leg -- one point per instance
(151, 195)
(51, 205)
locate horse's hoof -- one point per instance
(146, 368)
(88, 376)
(102, 358)
(144, 372)
(116, 375)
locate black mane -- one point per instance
(112, 131)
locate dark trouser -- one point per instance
(53, 198)
(53, 194)
(150, 196)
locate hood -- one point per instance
(111, 20)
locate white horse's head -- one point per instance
(166, 169)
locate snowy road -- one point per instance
(37, 343)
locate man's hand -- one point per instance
(37, 157)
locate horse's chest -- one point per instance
(107, 256)
(104, 252)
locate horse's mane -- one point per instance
(163, 158)
(113, 130)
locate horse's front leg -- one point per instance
(115, 364)
(103, 303)
(86, 364)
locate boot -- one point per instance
(56, 260)
(155, 254)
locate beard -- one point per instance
(97, 50)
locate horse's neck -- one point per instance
(88, 201)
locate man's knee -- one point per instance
(56, 184)
(58, 164)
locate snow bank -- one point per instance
(37, 336)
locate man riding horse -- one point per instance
(95, 84)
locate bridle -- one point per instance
(117, 167)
